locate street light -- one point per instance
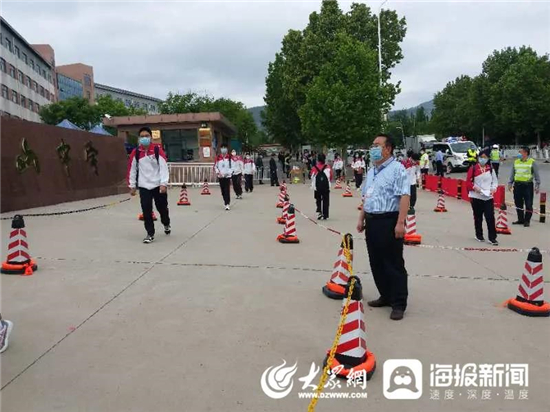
(380, 53)
(402, 135)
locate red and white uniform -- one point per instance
(223, 166)
(412, 169)
(484, 178)
(237, 164)
(151, 173)
(327, 171)
(249, 167)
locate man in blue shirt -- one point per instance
(439, 163)
(386, 193)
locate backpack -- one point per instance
(157, 154)
(321, 180)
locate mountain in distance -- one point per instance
(257, 114)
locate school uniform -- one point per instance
(485, 179)
(236, 177)
(223, 169)
(249, 169)
(411, 167)
(358, 167)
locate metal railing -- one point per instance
(192, 174)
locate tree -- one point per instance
(342, 106)
(105, 104)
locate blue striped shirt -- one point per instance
(384, 187)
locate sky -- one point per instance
(224, 47)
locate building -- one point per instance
(130, 99)
(185, 137)
(83, 74)
(68, 87)
(27, 75)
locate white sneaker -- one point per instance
(6, 327)
(227, 207)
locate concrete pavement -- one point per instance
(191, 321)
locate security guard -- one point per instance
(495, 159)
(525, 170)
(472, 157)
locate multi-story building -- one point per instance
(83, 74)
(27, 75)
(130, 99)
(68, 87)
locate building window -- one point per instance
(37, 69)
(41, 91)
(28, 81)
(23, 101)
(7, 43)
(25, 58)
(4, 92)
(32, 64)
(14, 96)
(50, 78)
(16, 51)
(88, 95)
(87, 80)
(37, 107)
(30, 105)
(12, 71)
(21, 77)
(127, 103)
(35, 86)
(2, 65)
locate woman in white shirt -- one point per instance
(358, 167)
(338, 166)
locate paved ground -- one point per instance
(190, 322)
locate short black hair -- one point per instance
(145, 129)
(223, 145)
(321, 158)
(527, 150)
(389, 140)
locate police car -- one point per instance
(455, 153)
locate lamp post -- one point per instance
(402, 135)
(380, 54)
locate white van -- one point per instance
(455, 154)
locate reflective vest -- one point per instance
(425, 161)
(495, 155)
(523, 170)
(472, 155)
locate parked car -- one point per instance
(455, 154)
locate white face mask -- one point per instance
(233, 153)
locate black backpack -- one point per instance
(321, 180)
(157, 151)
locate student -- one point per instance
(482, 183)
(260, 168)
(6, 327)
(148, 171)
(273, 171)
(223, 169)
(237, 176)
(249, 170)
(411, 167)
(338, 166)
(321, 175)
(358, 167)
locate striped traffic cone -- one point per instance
(352, 355)
(347, 192)
(336, 286)
(502, 221)
(530, 299)
(205, 190)
(440, 203)
(338, 185)
(284, 216)
(184, 201)
(411, 237)
(289, 233)
(19, 260)
(282, 194)
(140, 216)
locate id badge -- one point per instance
(370, 191)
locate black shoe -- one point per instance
(480, 239)
(397, 314)
(319, 216)
(518, 222)
(527, 224)
(167, 229)
(148, 239)
(378, 303)
(493, 242)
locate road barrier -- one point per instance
(191, 174)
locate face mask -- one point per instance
(233, 153)
(145, 141)
(519, 155)
(247, 157)
(224, 151)
(375, 153)
(483, 161)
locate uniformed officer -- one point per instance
(525, 170)
(472, 157)
(495, 159)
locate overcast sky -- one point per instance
(224, 47)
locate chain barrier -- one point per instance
(455, 248)
(68, 212)
(326, 369)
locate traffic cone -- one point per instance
(282, 219)
(184, 201)
(205, 190)
(338, 185)
(335, 288)
(502, 221)
(19, 260)
(282, 194)
(140, 217)
(351, 354)
(530, 299)
(289, 233)
(347, 192)
(411, 237)
(440, 203)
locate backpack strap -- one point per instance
(137, 166)
(157, 154)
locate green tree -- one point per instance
(105, 104)
(342, 105)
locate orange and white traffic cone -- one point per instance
(336, 286)
(140, 216)
(440, 203)
(282, 194)
(502, 221)
(411, 237)
(338, 184)
(289, 233)
(19, 260)
(347, 192)
(530, 298)
(205, 190)
(282, 219)
(352, 355)
(184, 201)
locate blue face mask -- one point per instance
(375, 153)
(482, 161)
(519, 156)
(145, 141)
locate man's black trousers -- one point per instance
(322, 199)
(523, 198)
(146, 197)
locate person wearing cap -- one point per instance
(482, 183)
(495, 158)
(524, 173)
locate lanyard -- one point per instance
(382, 167)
